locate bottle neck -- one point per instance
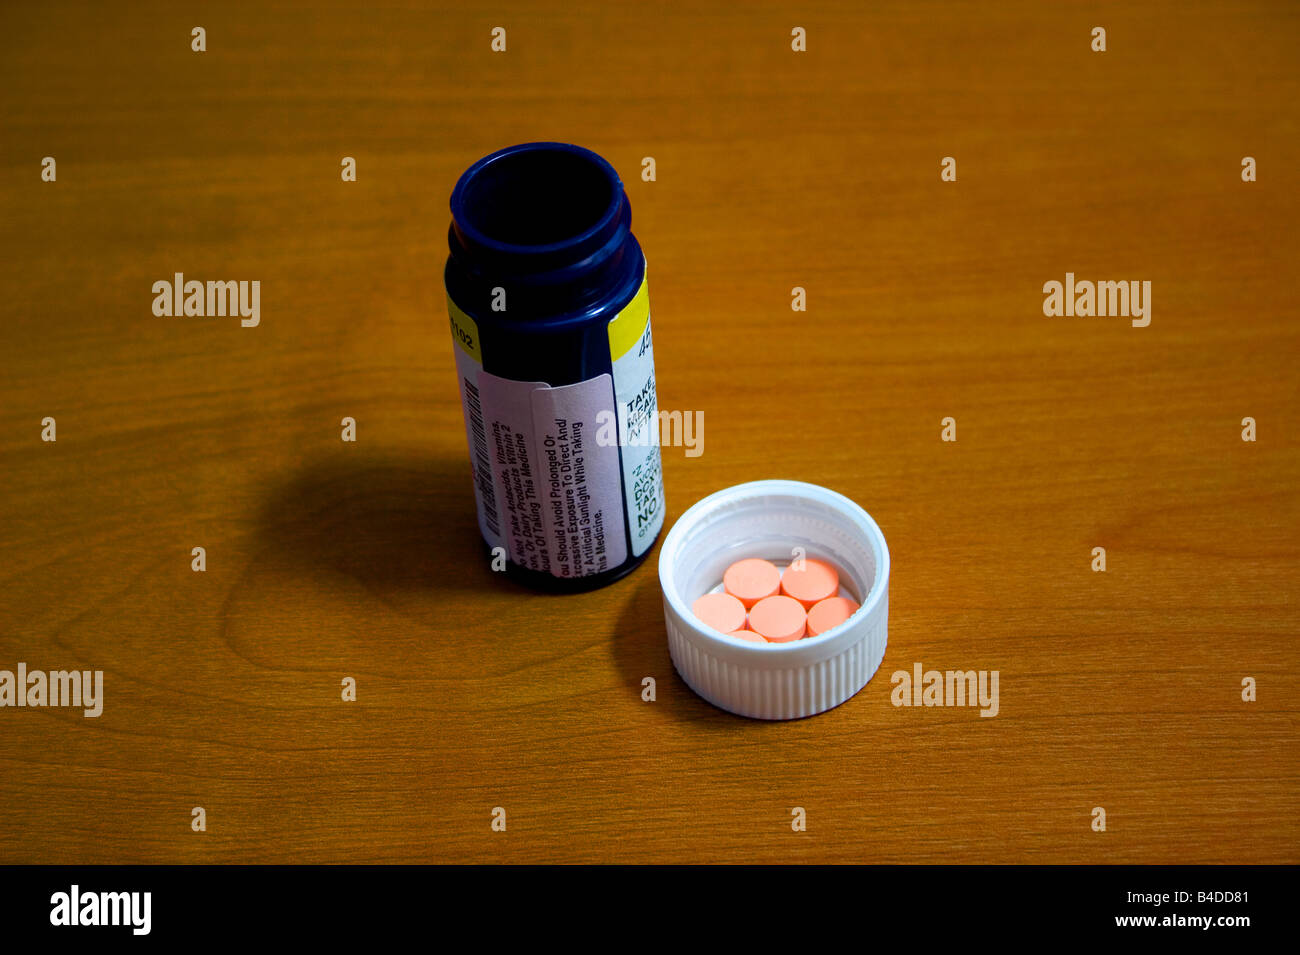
(552, 282)
(540, 229)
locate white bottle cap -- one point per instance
(769, 519)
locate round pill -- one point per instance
(779, 619)
(750, 635)
(752, 579)
(720, 611)
(816, 581)
(828, 613)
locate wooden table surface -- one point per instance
(775, 169)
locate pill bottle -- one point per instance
(550, 324)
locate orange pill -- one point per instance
(721, 612)
(828, 613)
(779, 619)
(751, 636)
(816, 581)
(752, 579)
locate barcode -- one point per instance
(482, 465)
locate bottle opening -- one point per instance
(538, 194)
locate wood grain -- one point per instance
(775, 169)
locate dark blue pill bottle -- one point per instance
(550, 325)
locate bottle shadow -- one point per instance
(391, 522)
(407, 525)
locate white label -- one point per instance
(638, 428)
(579, 477)
(547, 488)
(508, 422)
(480, 455)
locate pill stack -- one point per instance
(762, 603)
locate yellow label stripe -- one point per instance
(627, 327)
(464, 332)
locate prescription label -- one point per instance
(583, 501)
(507, 408)
(469, 363)
(547, 481)
(631, 351)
